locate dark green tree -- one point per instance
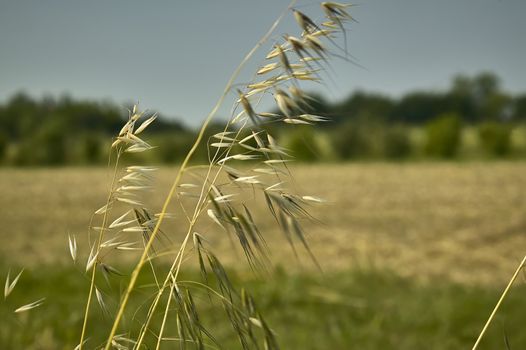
(3, 146)
(443, 136)
(351, 141)
(396, 142)
(302, 145)
(495, 138)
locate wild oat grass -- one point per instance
(212, 202)
(152, 305)
(220, 197)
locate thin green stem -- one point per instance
(165, 317)
(99, 241)
(152, 309)
(143, 258)
(154, 306)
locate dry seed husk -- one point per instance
(10, 285)
(30, 306)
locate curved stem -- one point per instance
(99, 241)
(169, 276)
(165, 317)
(144, 256)
(497, 306)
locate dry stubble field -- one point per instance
(463, 222)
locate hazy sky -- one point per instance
(176, 56)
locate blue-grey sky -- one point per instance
(176, 56)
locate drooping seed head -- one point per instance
(284, 102)
(247, 107)
(304, 22)
(336, 10)
(297, 45)
(284, 60)
(314, 43)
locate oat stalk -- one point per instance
(142, 260)
(497, 306)
(94, 267)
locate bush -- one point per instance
(47, 147)
(369, 139)
(53, 141)
(3, 146)
(91, 149)
(173, 148)
(350, 141)
(396, 143)
(302, 145)
(443, 136)
(495, 138)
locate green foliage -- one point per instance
(397, 144)
(419, 107)
(53, 131)
(495, 138)
(371, 139)
(173, 148)
(52, 141)
(519, 110)
(302, 144)
(91, 149)
(350, 141)
(47, 147)
(3, 146)
(443, 136)
(363, 105)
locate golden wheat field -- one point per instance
(463, 222)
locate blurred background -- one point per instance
(422, 165)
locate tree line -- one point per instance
(474, 117)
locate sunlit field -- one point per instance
(412, 256)
(460, 221)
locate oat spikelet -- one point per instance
(100, 300)
(305, 22)
(145, 124)
(30, 306)
(92, 258)
(72, 247)
(9, 286)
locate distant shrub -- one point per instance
(443, 136)
(53, 142)
(302, 145)
(22, 154)
(350, 141)
(91, 148)
(518, 139)
(47, 147)
(3, 146)
(172, 148)
(495, 138)
(396, 143)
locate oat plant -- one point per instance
(156, 306)
(215, 193)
